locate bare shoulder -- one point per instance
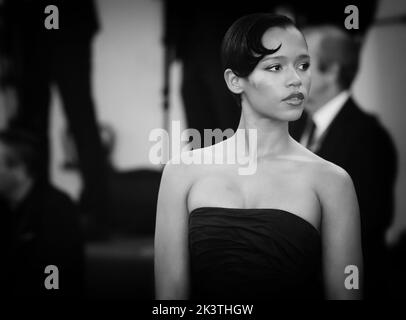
(326, 173)
(330, 181)
(331, 178)
(187, 166)
(176, 173)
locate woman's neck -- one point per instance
(272, 136)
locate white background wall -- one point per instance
(127, 84)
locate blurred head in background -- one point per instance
(19, 157)
(334, 63)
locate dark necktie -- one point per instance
(311, 128)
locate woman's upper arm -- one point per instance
(171, 235)
(341, 236)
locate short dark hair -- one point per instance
(25, 148)
(340, 47)
(242, 46)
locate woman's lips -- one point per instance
(294, 99)
(295, 95)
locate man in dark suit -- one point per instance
(41, 223)
(335, 128)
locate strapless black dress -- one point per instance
(253, 254)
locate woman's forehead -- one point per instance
(290, 39)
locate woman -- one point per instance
(290, 229)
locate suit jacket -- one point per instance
(357, 142)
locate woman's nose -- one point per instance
(294, 79)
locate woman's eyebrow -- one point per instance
(275, 57)
(303, 56)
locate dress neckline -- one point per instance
(239, 210)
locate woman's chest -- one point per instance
(289, 191)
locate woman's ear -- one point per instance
(234, 82)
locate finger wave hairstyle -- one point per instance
(242, 46)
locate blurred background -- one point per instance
(91, 91)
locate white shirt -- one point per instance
(324, 116)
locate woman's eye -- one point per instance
(274, 68)
(304, 66)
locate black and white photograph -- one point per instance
(203, 158)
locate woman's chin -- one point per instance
(293, 115)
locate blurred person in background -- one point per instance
(338, 130)
(61, 57)
(41, 222)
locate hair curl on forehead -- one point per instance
(242, 46)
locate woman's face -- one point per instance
(278, 86)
